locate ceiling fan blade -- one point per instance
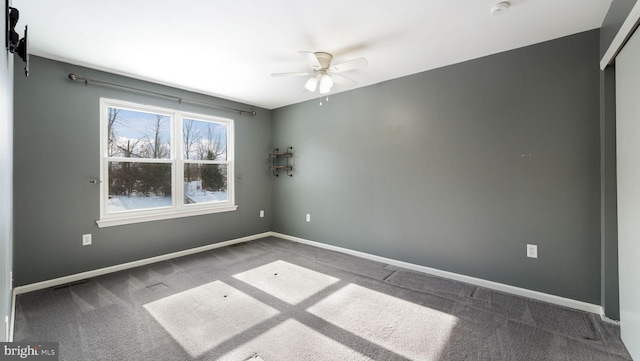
(349, 65)
(343, 81)
(292, 74)
(310, 58)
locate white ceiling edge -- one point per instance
(100, 68)
(228, 48)
(241, 102)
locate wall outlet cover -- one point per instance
(86, 239)
(532, 251)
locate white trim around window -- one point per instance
(158, 163)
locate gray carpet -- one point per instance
(275, 300)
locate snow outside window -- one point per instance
(161, 163)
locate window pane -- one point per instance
(138, 186)
(205, 183)
(203, 140)
(134, 134)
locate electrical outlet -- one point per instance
(532, 251)
(261, 214)
(308, 217)
(86, 239)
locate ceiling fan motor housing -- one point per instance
(323, 74)
(324, 59)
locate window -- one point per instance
(160, 163)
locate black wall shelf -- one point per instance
(281, 161)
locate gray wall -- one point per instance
(459, 168)
(6, 165)
(56, 153)
(456, 168)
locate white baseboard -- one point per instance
(540, 296)
(579, 305)
(608, 320)
(102, 271)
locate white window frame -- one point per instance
(178, 208)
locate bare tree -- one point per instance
(154, 143)
(112, 117)
(124, 176)
(190, 137)
(129, 150)
(212, 145)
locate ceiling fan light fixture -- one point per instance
(323, 76)
(325, 84)
(312, 83)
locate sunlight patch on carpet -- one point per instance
(291, 340)
(288, 282)
(406, 328)
(203, 317)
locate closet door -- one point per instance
(628, 163)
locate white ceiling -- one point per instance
(229, 48)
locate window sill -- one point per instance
(118, 221)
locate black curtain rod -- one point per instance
(75, 77)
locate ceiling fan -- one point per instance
(323, 75)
